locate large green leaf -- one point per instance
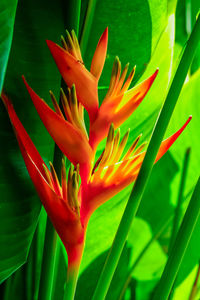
(134, 31)
(7, 17)
(184, 289)
(19, 207)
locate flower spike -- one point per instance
(71, 202)
(74, 72)
(69, 138)
(114, 173)
(22, 134)
(117, 105)
(65, 218)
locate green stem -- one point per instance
(74, 260)
(70, 287)
(141, 254)
(8, 284)
(87, 25)
(47, 271)
(30, 269)
(146, 168)
(72, 15)
(178, 210)
(180, 246)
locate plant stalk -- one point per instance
(47, 271)
(177, 216)
(87, 25)
(72, 10)
(74, 260)
(146, 168)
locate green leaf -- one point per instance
(184, 289)
(7, 17)
(153, 261)
(29, 56)
(134, 31)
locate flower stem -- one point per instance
(177, 216)
(74, 261)
(146, 168)
(72, 15)
(87, 25)
(180, 246)
(72, 275)
(46, 280)
(178, 211)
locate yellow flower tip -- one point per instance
(55, 104)
(69, 41)
(73, 94)
(140, 148)
(63, 42)
(75, 181)
(77, 168)
(129, 79)
(55, 180)
(48, 176)
(70, 173)
(111, 133)
(72, 189)
(53, 172)
(116, 66)
(125, 137)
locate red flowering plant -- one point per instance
(91, 180)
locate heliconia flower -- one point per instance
(71, 203)
(73, 71)
(119, 102)
(60, 202)
(114, 171)
(89, 184)
(70, 135)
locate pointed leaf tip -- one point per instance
(100, 55)
(74, 72)
(166, 144)
(69, 139)
(153, 76)
(25, 142)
